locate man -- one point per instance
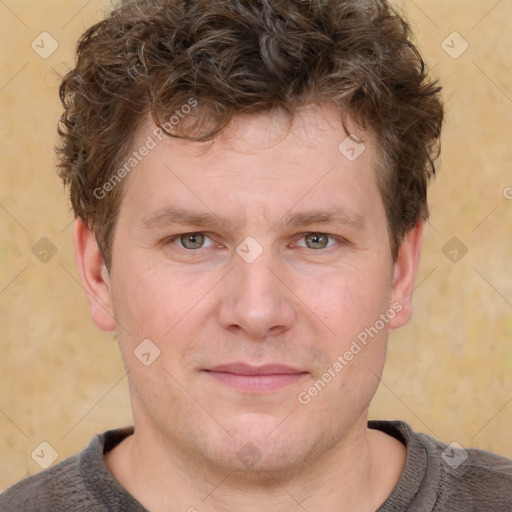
(249, 181)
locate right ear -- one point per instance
(94, 276)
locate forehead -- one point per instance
(260, 161)
(310, 126)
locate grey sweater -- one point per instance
(436, 478)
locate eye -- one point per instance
(192, 241)
(317, 241)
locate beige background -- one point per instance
(448, 371)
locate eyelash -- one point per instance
(176, 238)
(329, 236)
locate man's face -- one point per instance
(285, 263)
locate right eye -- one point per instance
(192, 241)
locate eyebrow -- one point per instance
(169, 216)
(335, 216)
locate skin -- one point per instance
(294, 305)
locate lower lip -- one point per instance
(257, 383)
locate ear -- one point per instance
(94, 276)
(404, 275)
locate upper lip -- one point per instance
(247, 369)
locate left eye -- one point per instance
(193, 241)
(317, 241)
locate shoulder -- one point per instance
(472, 478)
(50, 489)
(69, 485)
(447, 477)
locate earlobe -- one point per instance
(405, 270)
(94, 276)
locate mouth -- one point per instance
(256, 379)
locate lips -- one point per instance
(256, 379)
(246, 369)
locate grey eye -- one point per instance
(316, 240)
(192, 240)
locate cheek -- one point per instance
(348, 299)
(170, 307)
(152, 298)
(354, 351)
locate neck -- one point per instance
(356, 473)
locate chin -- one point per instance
(261, 444)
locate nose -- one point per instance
(256, 300)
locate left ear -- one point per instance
(404, 275)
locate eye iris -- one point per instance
(316, 240)
(192, 240)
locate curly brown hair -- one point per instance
(242, 56)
